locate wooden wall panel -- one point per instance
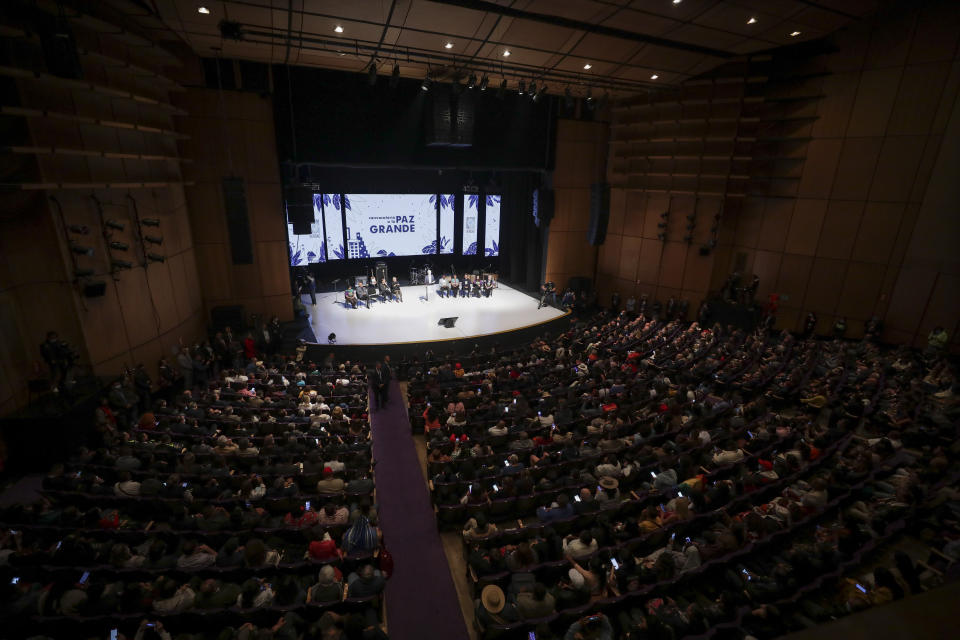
(805, 226)
(840, 229)
(875, 96)
(855, 169)
(896, 168)
(823, 156)
(878, 232)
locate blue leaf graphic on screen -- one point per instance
(326, 199)
(340, 253)
(317, 200)
(443, 243)
(336, 201)
(295, 259)
(471, 250)
(382, 252)
(346, 203)
(433, 198)
(473, 200)
(492, 199)
(430, 249)
(492, 251)
(311, 257)
(322, 256)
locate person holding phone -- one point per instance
(593, 627)
(151, 630)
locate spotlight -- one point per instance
(587, 67)
(154, 257)
(153, 239)
(425, 85)
(484, 81)
(119, 246)
(113, 224)
(533, 87)
(589, 98)
(506, 53)
(79, 229)
(121, 264)
(503, 88)
(83, 273)
(372, 74)
(448, 45)
(794, 34)
(654, 77)
(203, 10)
(752, 20)
(150, 222)
(472, 81)
(521, 87)
(338, 29)
(395, 76)
(82, 251)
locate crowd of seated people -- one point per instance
(249, 500)
(657, 479)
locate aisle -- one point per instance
(421, 598)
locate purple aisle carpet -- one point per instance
(421, 597)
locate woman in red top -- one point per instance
(431, 420)
(249, 347)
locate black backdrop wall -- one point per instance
(336, 131)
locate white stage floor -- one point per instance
(415, 319)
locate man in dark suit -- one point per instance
(380, 380)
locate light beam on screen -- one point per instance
(491, 241)
(308, 248)
(470, 218)
(446, 222)
(334, 224)
(390, 224)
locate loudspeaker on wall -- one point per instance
(599, 213)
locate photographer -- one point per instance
(592, 627)
(60, 358)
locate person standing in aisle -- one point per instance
(380, 380)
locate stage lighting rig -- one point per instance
(153, 239)
(79, 229)
(484, 81)
(150, 222)
(81, 250)
(120, 265)
(372, 74)
(119, 246)
(472, 81)
(425, 85)
(155, 257)
(113, 224)
(395, 76)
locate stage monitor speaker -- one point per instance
(94, 289)
(227, 316)
(238, 220)
(448, 322)
(599, 213)
(380, 271)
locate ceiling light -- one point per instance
(588, 66)
(794, 34)
(506, 53)
(677, 1)
(425, 85)
(338, 29)
(654, 77)
(472, 81)
(521, 87)
(203, 10)
(448, 45)
(752, 20)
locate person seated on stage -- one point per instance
(372, 287)
(488, 287)
(395, 289)
(385, 290)
(466, 288)
(569, 298)
(454, 286)
(363, 296)
(444, 286)
(351, 297)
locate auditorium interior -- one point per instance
(479, 319)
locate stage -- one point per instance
(416, 318)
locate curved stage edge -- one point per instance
(510, 319)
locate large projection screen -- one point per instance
(308, 248)
(491, 227)
(390, 224)
(331, 205)
(446, 222)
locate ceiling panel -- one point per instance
(423, 26)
